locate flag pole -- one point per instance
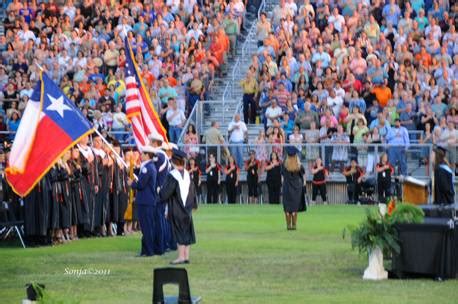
(118, 157)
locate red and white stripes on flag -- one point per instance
(139, 108)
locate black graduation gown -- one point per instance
(444, 192)
(76, 193)
(36, 207)
(60, 211)
(293, 190)
(179, 215)
(88, 182)
(195, 177)
(119, 194)
(101, 201)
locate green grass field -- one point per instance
(244, 255)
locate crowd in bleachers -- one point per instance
(341, 72)
(179, 46)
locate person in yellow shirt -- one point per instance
(250, 91)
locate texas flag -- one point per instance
(51, 125)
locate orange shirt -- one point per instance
(100, 88)
(172, 81)
(383, 95)
(148, 77)
(84, 87)
(425, 59)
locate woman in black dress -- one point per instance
(273, 179)
(384, 172)
(252, 167)
(213, 180)
(293, 187)
(232, 180)
(354, 175)
(320, 173)
(195, 173)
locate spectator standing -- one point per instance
(398, 141)
(250, 92)
(238, 132)
(176, 119)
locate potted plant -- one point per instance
(377, 235)
(34, 291)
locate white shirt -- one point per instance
(237, 134)
(272, 112)
(338, 22)
(176, 120)
(119, 120)
(335, 103)
(26, 36)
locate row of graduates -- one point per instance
(82, 195)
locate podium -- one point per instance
(414, 191)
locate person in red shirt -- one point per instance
(320, 173)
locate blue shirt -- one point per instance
(146, 185)
(398, 136)
(392, 17)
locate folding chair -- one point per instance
(170, 275)
(8, 226)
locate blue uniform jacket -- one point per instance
(146, 185)
(162, 167)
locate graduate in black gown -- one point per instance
(108, 173)
(293, 187)
(60, 216)
(66, 206)
(79, 209)
(119, 192)
(101, 188)
(232, 180)
(179, 192)
(89, 183)
(273, 178)
(36, 217)
(444, 192)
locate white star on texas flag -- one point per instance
(58, 105)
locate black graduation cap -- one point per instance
(291, 151)
(178, 154)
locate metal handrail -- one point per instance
(188, 121)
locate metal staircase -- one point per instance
(226, 93)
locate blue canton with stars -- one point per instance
(60, 109)
(130, 69)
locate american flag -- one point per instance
(139, 108)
